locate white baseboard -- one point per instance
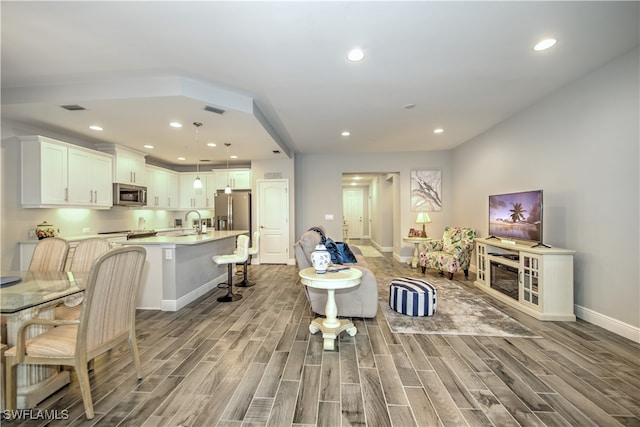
(610, 324)
(183, 301)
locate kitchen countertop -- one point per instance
(185, 239)
(80, 237)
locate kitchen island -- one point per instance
(179, 269)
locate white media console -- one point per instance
(535, 280)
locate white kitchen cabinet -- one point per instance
(58, 174)
(129, 165)
(192, 198)
(162, 188)
(238, 179)
(90, 178)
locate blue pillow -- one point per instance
(345, 252)
(336, 256)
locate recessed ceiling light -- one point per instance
(181, 158)
(233, 157)
(95, 127)
(345, 133)
(355, 55)
(438, 130)
(175, 125)
(211, 144)
(148, 146)
(544, 44)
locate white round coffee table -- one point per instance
(331, 326)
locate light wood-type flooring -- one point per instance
(254, 363)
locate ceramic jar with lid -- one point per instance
(320, 259)
(45, 230)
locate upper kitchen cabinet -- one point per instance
(238, 179)
(57, 174)
(201, 198)
(129, 166)
(162, 188)
(90, 182)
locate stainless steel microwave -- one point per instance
(129, 195)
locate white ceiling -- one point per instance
(135, 66)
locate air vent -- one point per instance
(73, 107)
(214, 109)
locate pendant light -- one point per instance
(227, 189)
(197, 183)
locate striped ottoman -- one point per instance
(413, 297)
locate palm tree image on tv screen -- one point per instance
(516, 216)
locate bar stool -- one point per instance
(253, 250)
(241, 254)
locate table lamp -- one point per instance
(423, 218)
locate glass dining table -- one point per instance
(27, 295)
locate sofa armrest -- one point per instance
(431, 245)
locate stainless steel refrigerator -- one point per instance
(233, 211)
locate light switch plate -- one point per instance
(328, 217)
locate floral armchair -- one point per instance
(450, 254)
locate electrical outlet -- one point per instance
(328, 217)
(168, 254)
(86, 230)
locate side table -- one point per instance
(331, 326)
(416, 251)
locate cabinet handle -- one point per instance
(66, 194)
(95, 196)
(90, 196)
(168, 201)
(134, 177)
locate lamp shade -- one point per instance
(197, 183)
(423, 218)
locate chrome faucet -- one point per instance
(199, 226)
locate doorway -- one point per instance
(369, 204)
(273, 220)
(353, 212)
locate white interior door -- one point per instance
(352, 206)
(273, 220)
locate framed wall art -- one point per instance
(426, 190)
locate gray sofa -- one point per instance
(361, 301)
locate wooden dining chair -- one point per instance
(50, 254)
(85, 253)
(107, 320)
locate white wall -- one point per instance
(580, 146)
(319, 184)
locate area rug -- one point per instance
(369, 251)
(458, 312)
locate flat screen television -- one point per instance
(516, 216)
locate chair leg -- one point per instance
(245, 283)
(133, 347)
(10, 397)
(85, 389)
(424, 269)
(230, 296)
(450, 276)
(466, 273)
